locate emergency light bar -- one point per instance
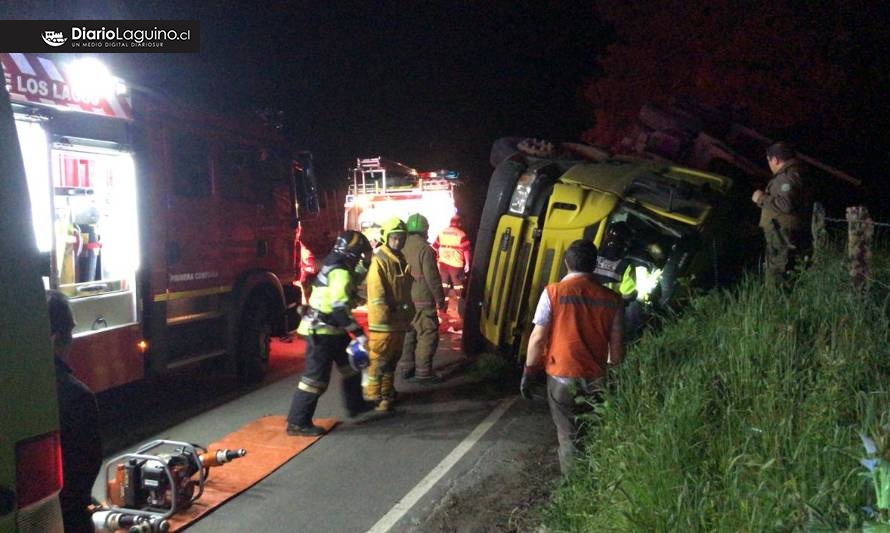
(440, 174)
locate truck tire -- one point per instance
(254, 339)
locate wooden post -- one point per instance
(820, 237)
(860, 232)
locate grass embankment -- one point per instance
(741, 415)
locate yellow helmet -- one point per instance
(392, 225)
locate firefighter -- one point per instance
(327, 325)
(612, 266)
(784, 206)
(422, 339)
(616, 272)
(389, 312)
(578, 333)
(453, 248)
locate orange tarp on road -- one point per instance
(268, 447)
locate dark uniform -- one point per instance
(327, 326)
(784, 208)
(81, 448)
(426, 292)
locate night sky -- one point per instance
(431, 85)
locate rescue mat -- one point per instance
(268, 447)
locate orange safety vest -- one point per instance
(582, 312)
(453, 242)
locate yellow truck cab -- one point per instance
(540, 200)
(30, 453)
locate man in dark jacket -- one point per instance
(78, 423)
(422, 339)
(784, 208)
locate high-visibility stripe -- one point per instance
(303, 386)
(183, 295)
(587, 301)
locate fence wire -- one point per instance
(844, 221)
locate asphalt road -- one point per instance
(355, 475)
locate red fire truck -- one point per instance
(172, 232)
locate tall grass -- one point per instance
(742, 414)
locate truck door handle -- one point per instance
(99, 323)
(505, 240)
(262, 248)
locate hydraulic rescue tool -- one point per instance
(160, 479)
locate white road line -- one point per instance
(407, 502)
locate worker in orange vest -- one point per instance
(578, 333)
(453, 248)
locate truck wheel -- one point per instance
(254, 339)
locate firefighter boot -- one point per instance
(387, 392)
(371, 390)
(352, 396)
(304, 431)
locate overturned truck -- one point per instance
(680, 182)
(540, 200)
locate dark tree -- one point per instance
(782, 64)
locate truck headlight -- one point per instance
(519, 200)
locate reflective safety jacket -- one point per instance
(618, 275)
(389, 291)
(426, 291)
(330, 305)
(582, 313)
(453, 247)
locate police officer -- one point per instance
(327, 326)
(784, 206)
(389, 312)
(453, 248)
(422, 339)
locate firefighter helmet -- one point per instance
(357, 353)
(618, 232)
(417, 223)
(390, 226)
(353, 244)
